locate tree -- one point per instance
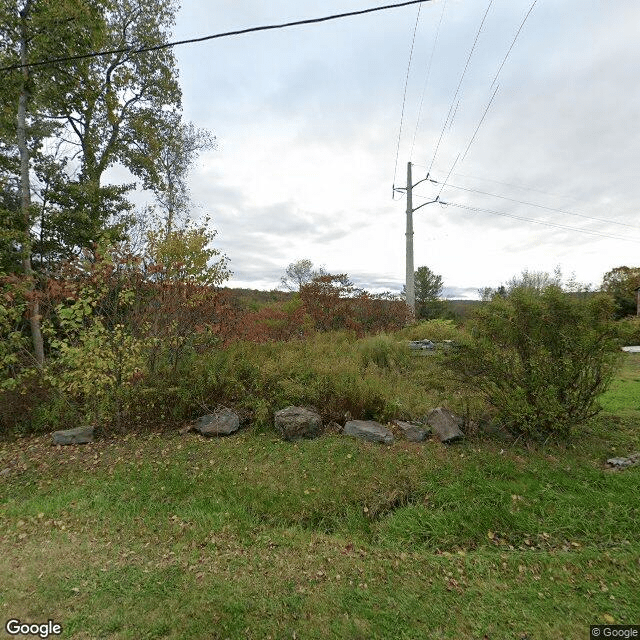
(100, 108)
(112, 107)
(31, 29)
(300, 273)
(428, 291)
(534, 280)
(186, 255)
(621, 283)
(176, 146)
(540, 357)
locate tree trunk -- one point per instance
(25, 189)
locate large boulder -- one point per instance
(221, 423)
(412, 432)
(297, 422)
(445, 424)
(79, 435)
(368, 430)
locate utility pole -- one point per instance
(410, 290)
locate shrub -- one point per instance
(541, 358)
(628, 330)
(436, 330)
(334, 304)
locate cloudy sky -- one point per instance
(307, 121)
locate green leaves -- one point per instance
(541, 357)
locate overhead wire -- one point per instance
(455, 96)
(484, 115)
(539, 222)
(532, 204)
(404, 100)
(514, 41)
(137, 50)
(427, 78)
(514, 186)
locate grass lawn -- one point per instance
(168, 536)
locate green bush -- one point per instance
(435, 330)
(628, 330)
(540, 358)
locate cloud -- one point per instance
(308, 120)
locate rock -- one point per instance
(79, 435)
(412, 432)
(5, 472)
(421, 345)
(221, 423)
(297, 422)
(368, 430)
(445, 424)
(622, 463)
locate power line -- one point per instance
(532, 204)
(427, 77)
(404, 100)
(514, 41)
(484, 115)
(540, 222)
(444, 184)
(511, 184)
(453, 102)
(133, 50)
(504, 184)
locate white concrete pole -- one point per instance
(410, 284)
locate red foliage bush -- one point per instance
(334, 303)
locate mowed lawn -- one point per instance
(169, 536)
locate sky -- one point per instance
(308, 118)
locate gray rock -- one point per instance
(421, 345)
(623, 463)
(221, 423)
(5, 472)
(445, 424)
(368, 430)
(412, 432)
(297, 422)
(79, 435)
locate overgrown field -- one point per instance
(168, 536)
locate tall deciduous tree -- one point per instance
(30, 29)
(100, 107)
(622, 283)
(115, 104)
(175, 148)
(299, 273)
